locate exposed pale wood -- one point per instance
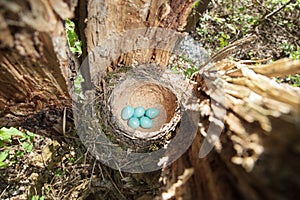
(258, 152)
(257, 156)
(237, 168)
(279, 68)
(105, 20)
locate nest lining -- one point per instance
(149, 95)
(100, 119)
(149, 86)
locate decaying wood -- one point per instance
(199, 8)
(106, 20)
(258, 152)
(261, 119)
(33, 57)
(257, 156)
(279, 68)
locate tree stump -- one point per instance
(257, 154)
(240, 164)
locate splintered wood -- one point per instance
(34, 58)
(252, 96)
(256, 97)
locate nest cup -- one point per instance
(148, 87)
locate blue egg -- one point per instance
(127, 112)
(139, 111)
(146, 122)
(152, 113)
(134, 122)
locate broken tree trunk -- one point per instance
(106, 21)
(257, 156)
(35, 65)
(258, 151)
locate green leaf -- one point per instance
(72, 38)
(30, 134)
(35, 197)
(190, 71)
(19, 153)
(3, 155)
(48, 190)
(28, 147)
(295, 55)
(69, 24)
(175, 69)
(3, 164)
(58, 172)
(195, 4)
(7, 133)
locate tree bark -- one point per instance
(35, 65)
(104, 19)
(257, 156)
(239, 170)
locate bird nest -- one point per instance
(148, 94)
(148, 86)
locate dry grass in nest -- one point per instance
(147, 86)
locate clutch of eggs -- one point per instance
(139, 117)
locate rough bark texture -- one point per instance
(246, 163)
(34, 58)
(199, 7)
(106, 19)
(257, 156)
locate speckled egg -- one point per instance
(127, 112)
(139, 111)
(146, 122)
(134, 122)
(152, 112)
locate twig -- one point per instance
(265, 17)
(101, 171)
(93, 169)
(226, 51)
(2, 193)
(278, 10)
(64, 120)
(255, 61)
(181, 181)
(114, 185)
